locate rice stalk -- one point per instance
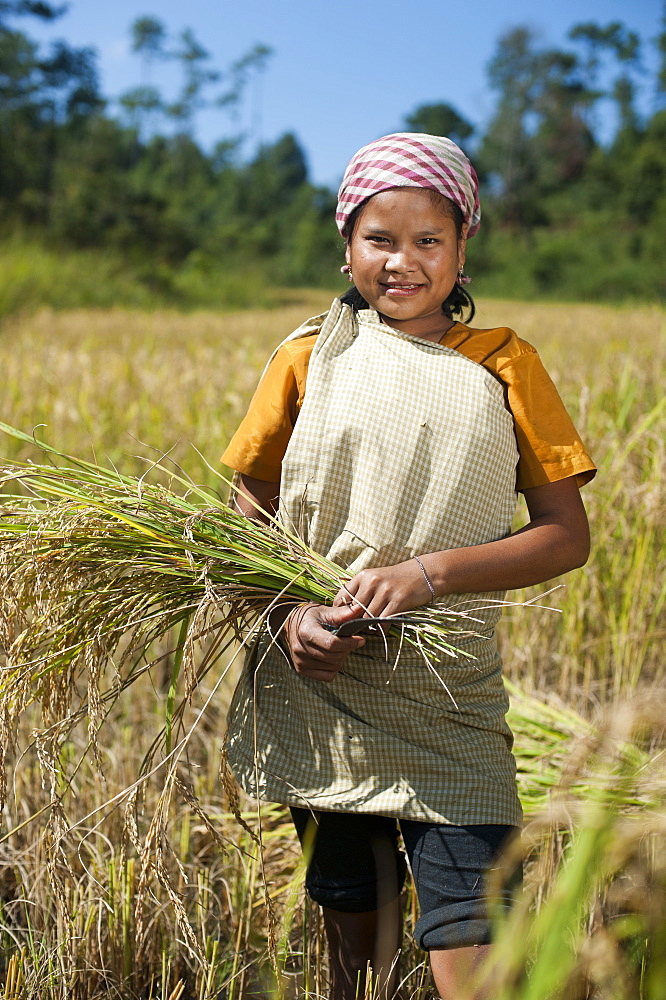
(551, 739)
(95, 555)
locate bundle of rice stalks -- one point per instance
(96, 566)
(561, 754)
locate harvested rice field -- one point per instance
(110, 887)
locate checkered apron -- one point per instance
(401, 447)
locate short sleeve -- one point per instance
(549, 445)
(258, 446)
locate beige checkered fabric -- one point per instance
(401, 447)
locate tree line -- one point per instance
(565, 214)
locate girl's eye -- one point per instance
(428, 240)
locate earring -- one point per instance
(346, 269)
(462, 279)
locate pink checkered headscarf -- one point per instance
(410, 159)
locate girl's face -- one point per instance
(404, 255)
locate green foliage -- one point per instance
(168, 222)
(564, 216)
(36, 8)
(148, 37)
(440, 119)
(34, 275)
(603, 257)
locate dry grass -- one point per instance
(609, 365)
(102, 381)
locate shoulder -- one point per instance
(291, 361)
(292, 357)
(549, 445)
(497, 348)
(297, 347)
(297, 351)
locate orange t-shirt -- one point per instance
(548, 443)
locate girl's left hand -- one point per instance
(387, 590)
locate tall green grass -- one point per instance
(34, 276)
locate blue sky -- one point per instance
(343, 73)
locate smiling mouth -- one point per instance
(407, 287)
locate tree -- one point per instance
(439, 119)
(615, 38)
(539, 139)
(148, 38)
(62, 82)
(507, 154)
(197, 76)
(34, 8)
(624, 45)
(562, 141)
(142, 104)
(249, 68)
(275, 174)
(69, 82)
(40, 95)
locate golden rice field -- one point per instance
(90, 914)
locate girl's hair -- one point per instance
(458, 303)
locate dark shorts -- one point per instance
(355, 865)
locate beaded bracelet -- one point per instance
(427, 578)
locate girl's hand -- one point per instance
(316, 652)
(387, 590)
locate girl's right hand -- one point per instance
(316, 652)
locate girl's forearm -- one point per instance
(256, 498)
(556, 540)
(532, 555)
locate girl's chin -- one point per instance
(385, 303)
(404, 308)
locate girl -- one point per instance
(394, 438)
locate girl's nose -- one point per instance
(399, 261)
